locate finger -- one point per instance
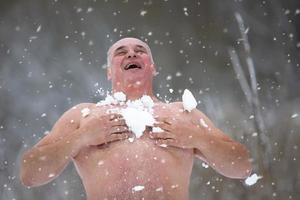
(116, 137)
(118, 122)
(164, 126)
(114, 116)
(166, 142)
(118, 129)
(162, 135)
(164, 119)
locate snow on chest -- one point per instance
(138, 114)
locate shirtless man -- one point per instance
(113, 167)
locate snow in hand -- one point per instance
(120, 96)
(251, 180)
(188, 100)
(137, 119)
(137, 113)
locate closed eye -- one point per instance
(120, 53)
(140, 51)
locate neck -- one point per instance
(136, 91)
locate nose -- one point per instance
(131, 54)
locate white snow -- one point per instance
(185, 11)
(101, 162)
(85, 112)
(188, 100)
(137, 120)
(157, 130)
(107, 101)
(254, 134)
(119, 96)
(147, 101)
(163, 145)
(138, 188)
(90, 9)
(39, 28)
(178, 74)
(251, 180)
(203, 123)
(137, 113)
(130, 139)
(143, 13)
(205, 165)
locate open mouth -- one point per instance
(133, 66)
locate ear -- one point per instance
(109, 73)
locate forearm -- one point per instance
(228, 157)
(41, 164)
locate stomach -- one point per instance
(134, 168)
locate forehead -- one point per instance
(128, 42)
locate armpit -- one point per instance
(199, 155)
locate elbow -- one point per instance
(247, 165)
(25, 179)
(243, 166)
(241, 173)
(245, 169)
(26, 176)
(28, 180)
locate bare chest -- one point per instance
(135, 168)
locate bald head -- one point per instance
(123, 42)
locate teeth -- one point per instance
(129, 66)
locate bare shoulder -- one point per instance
(176, 104)
(66, 124)
(74, 114)
(195, 114)
(170, 105)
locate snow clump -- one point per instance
(251, 180)
(137, 113)
(188, 100)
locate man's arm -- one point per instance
(228, 157)
(50, 156)
(195, 131)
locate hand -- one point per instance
(178, 132)
(103, 129)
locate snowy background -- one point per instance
(240, 58)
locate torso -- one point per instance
(136, 170)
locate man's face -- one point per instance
(130, 63)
